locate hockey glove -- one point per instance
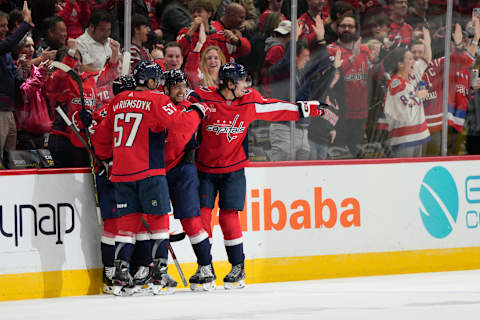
(86, 117)
(311, 108)
(202, 109)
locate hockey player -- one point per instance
(183, 185)
(106, 194)
(223, 155)
(135, 125)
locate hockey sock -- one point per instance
(141, 254)
(108, 253)
(107, 245)
(123, 251)
(127, 227)
(160, 249)
(159, 225)
(198, 238)
(232, 235)
(206, 216)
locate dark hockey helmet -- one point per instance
(146, 70)
(126, 82)
(172, 77)
(231, 72)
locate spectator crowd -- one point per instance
(378, 64)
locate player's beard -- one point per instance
(347, 37)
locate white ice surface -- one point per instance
(430, 296)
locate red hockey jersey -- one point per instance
(307, 22)
(62, 89)
(400, 33)
(355, 76)
(460, 60)
(188, 43)
(223, 134)
(229, 49)
(458, 111)
(76, 16)
(135, 125)
(178, 143)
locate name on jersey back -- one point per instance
(137, 104)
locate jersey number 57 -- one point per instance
(118, 128)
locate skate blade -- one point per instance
(122, 291)
(107, 289)
(145, 289)
(162, 290)
(203, 287)
(234, 285)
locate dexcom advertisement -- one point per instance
(47, 223)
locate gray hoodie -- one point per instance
(272, 42)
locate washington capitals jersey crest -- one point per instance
(223, 134)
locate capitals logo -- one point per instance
(222, 127)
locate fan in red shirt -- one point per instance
(66, 148)
(76, 14)
(229, 33)
(400, 31)
(223, 155)
(272, 6)
(136, 125)
(307, 21)
(202, 11)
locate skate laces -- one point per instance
(142, 273)
(205, 271)
(236, 270)
(109, 272)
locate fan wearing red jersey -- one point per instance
(183, 185)
(136, 125)
(62, 90)
(223, 155)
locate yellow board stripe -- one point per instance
(82, 282)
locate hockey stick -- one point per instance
(87, 143)
(174, 257)
(90, 155)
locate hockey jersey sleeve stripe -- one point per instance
(276, 106)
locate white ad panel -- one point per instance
(48, 223)
(319, 210)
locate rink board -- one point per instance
(302, 221)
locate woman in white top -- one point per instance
(403, 104)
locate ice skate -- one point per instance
(235, 279)
(163, 283)
(122, 280)
(142, 280)
(108, 273)
(203, 279)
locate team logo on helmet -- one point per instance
(123, 83)
(231, 72)
(172, 77)
(146, 70)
